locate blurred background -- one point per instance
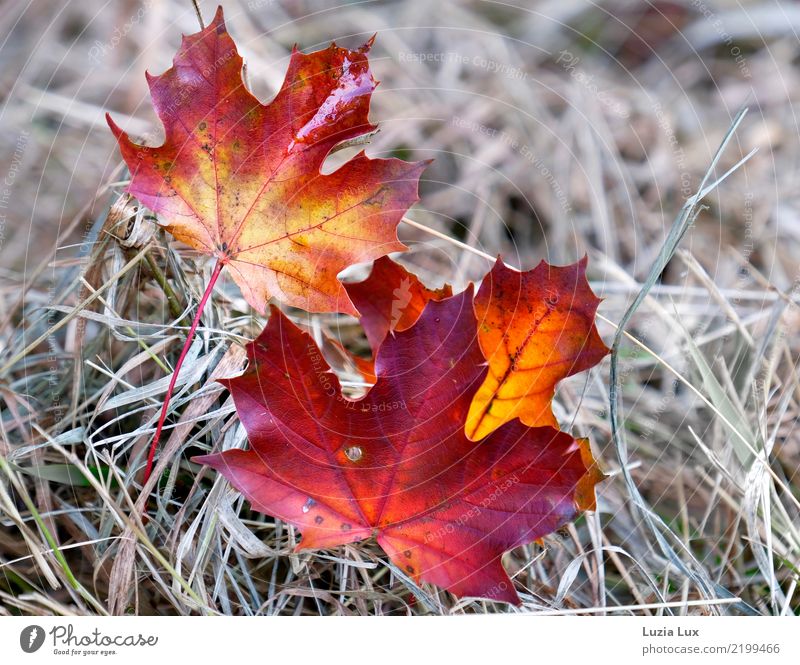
(558, 129)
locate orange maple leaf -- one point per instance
(534, 328)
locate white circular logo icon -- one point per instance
(31, 638)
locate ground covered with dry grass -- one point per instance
(557, 129)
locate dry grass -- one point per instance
(535, 158)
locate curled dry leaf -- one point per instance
(397, 464)
(241, 181)
(535, 328)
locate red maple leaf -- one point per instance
(396, 464)
(391, 299)
(240, 180)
